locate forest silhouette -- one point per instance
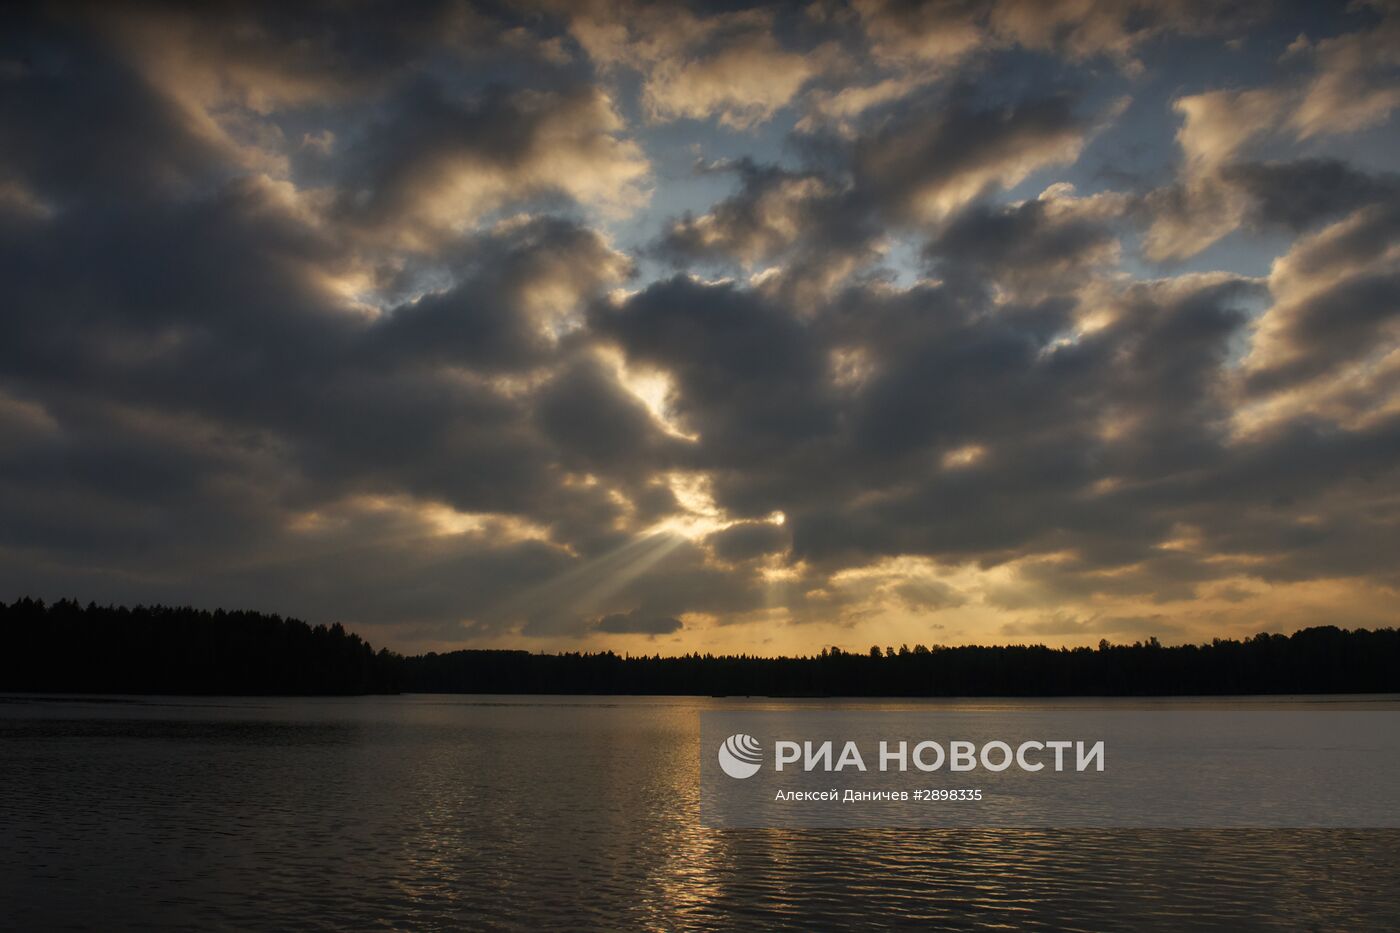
(65, 647)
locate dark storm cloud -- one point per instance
(58, 81)
(346, 399)
(1216, 197)
(629, 623)
(601, 427)
(747, 540)
(929, 159)
(775, 213)
(1340, 324)
(1301, 194)
(1044, 245)
(1337, 301)
(197, 385)
(751, 375)
(484, 320)
(439, 160)
(857, 471)
(922, 159)
(925, 595)
(340, 313)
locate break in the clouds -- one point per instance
(666, 327)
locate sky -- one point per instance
(674, 327)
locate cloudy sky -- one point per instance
(666, 327)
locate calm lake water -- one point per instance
(530, 813)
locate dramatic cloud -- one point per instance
(928, 161)
(1050, 244)
(1353, 86)
(437, 165)
(730, 65)
(774, 210)
(629, 623)
(669, 327)
(1336, 303)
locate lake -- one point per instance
(530, 813)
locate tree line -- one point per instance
(66, 647)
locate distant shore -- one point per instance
(67, 648)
